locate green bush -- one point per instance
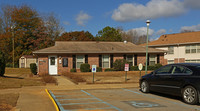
(2, 64)
(85, 67)
(134, 68)
(157, 66)
(33, 68)
(73, 70)
(119, 64)
(99, 69)
(109, 70)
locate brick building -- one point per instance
(66, 55)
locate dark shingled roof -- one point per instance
(95, 47)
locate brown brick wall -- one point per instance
(141, 58)
(43, 65)
(93, 59)
(62, 69)
(180, 60)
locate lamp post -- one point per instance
(148, 22)
(13, 45)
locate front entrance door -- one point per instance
(53, 70)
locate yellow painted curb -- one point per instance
(56, 106)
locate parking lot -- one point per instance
(118, 100)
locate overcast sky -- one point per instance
(167, 16)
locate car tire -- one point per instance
(144, 86)
(190, 95)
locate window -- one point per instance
(105, 61)
(152, 60)
(170, 61)
(65, 62)
(198, 48)
(187, 49)
(192, 49)
(178, 69)
(164, 70)
(52, 60)
(192, 61)
(181, 70)
(171, 50)
(79, 61)
(129, 59)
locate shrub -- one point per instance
(73, 70)
(134, 68)
(75, 78)
(2, 64)
(85, 67)
(48, 79)
(99, 69)
(157, 66)
(119, 64)
(109, 69)
(33, 68)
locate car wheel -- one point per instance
(190, 95)
(144, 87)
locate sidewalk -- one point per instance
(65, 84)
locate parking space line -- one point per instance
(160, 99)
(101, 100)
(76, 99)
(58, 103)
(67, 95)
(91, 109)
(83, 103)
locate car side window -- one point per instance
(181, 70)
(164, 70)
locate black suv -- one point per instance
(181, 79)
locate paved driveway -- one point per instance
(118, 100)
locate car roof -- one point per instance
(187, 64)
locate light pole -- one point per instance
(148, 22)
(13, 44)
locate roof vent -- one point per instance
(125, 42)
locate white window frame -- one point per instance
(171, 50)
(79, 61)
(154, 57)
(132, 59)
(170, 61)
(105, 61)
(192, 49)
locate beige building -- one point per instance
(26, 60)
(181, 47)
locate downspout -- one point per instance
(178, 52)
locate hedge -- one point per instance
(73, 70)
(33, 68)
(85, 67)
(109, 70)
(2, 64)
(99, 69)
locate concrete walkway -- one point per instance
(65, 84)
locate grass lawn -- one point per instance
(18, 77)
(8, 101)
(106, 77)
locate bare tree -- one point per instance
(52, 23)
